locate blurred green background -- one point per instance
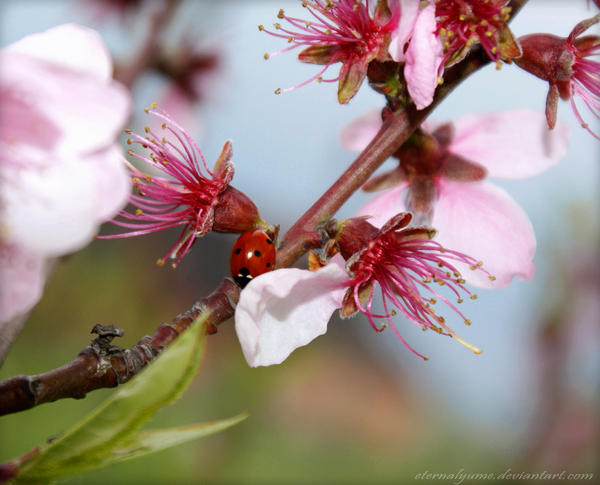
(353, 406)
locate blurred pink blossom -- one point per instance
(60, 166)
(470, 214)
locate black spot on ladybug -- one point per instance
(245, 272)
(268, 265)
(238, 250)
(257, 253)
(269, 241)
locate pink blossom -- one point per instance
(571, 67)
(182, 195)
(60, 165)
(443, 32)
(285, 309)
(444, 186)
(347, 31)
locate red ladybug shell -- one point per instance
(253, 254)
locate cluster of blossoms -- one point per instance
(425, 37)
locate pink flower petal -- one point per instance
(69, 47)
(423, 59)
(483, 221)
(21, 281)
(87, 112)
(384, 206)
(359, 133)
(401, 35)
(286, 309)
(511, 144)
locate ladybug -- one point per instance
(253, 254)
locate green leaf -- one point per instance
(108, 434)
(148, 442)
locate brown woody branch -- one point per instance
(102, 364)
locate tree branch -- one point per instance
(102, 364)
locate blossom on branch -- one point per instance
(441, 176)
(571, 67)
(182, 196)
(287, 308)
(60, 167)
(353, 32)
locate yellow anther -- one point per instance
(425, 357)
(290, 40)
(135, 180)
(160, 262)
(147, 178)
(280, 14)
(146, 110)
(277, 25)
(441, 319)
(440, 81)
(308, 23)
(147, 129)
(278, 91)
(128, 131)
(394, 313)
(473, 297)
(163, 139)
(472, 267)
(461, 17)
(319, 79)
(433, 301)
(498, 65)
(163, 126)
(128, 141)
(261, 27)
(384, 325)
(492, 278)
(488, 33)
(468, 322)
(266, 56)
(460, 300)
(153, 105)
(460, 281)
(138, 212)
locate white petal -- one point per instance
(57, 210)
(71, 47)
(285, 309)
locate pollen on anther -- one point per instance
(492, 278)
(129, 141)
(468, 322)
(138, 212)
(163, 126)
(153, 105)
(147, 129)
(266, 56)
(460, 300)
(128, 131)
(160, 262)
(473, 297)
(280, 14)
(278, 91)
(261, 28)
